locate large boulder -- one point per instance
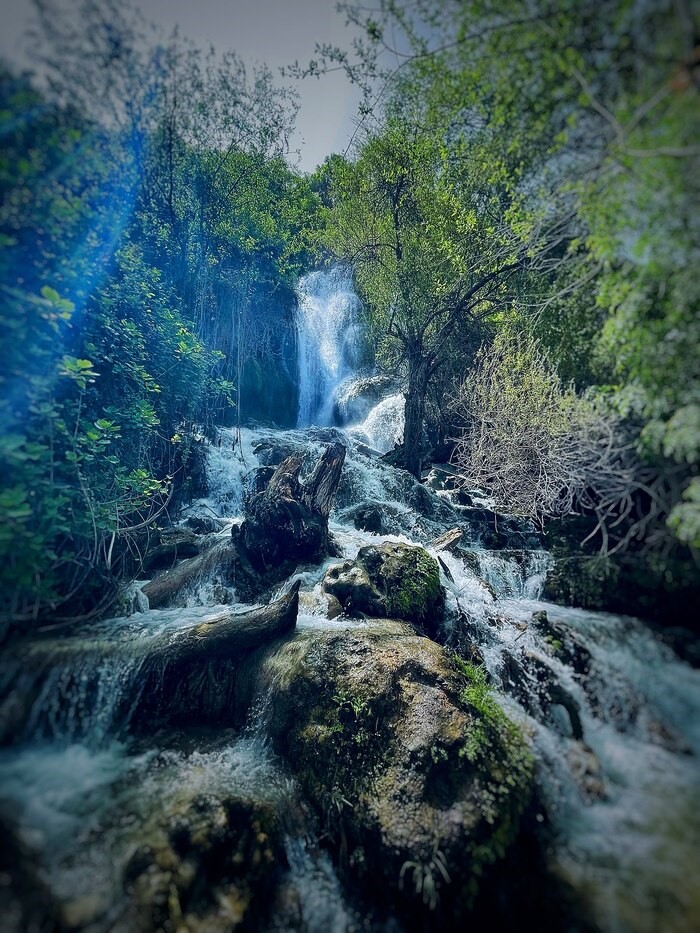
(394, 580)
(416, 772)
(357, 396)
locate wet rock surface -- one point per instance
(358, 395)
(214, 864)
(420, 789)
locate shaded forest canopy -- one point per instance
(518, 210)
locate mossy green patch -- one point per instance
(504, 762)
(554, 643)
(417, 590)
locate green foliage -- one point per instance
(354, 718)
(585, 120)
(130, 226)
(684, 519)
(431, 251)
(67, 482)
(427, 876)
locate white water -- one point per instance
(383, 427)
(622, 799)
(327, 334)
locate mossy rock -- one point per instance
(418, 776)
(391, 580)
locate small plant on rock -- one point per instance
(427, 876)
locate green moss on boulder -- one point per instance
(419, 781)
(392, 580)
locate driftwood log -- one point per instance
(190, 679)
(288, 520)
(167, 588)
(227, 633)
(447, 540)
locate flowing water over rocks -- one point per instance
(135, 828)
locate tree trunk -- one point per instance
(227, 633)
(168, 587)
(186, 676)
(415, 411)
(288, 521)
(319, 489)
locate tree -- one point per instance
(429, 249)
(131, 223)
(545, 451)
(590, 111)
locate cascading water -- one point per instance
(384, 425)
(327, 333)
(613, 718)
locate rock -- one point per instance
(205, 524)
(357, 396)
(419, 780)
(563, 643)
(444, 478)
(213, 865)
(564, 711)
(367, 517)
(408, 579)
(393, 580)
(664, 735)
(648, 584)
(334, 608)
(439, 480)
(534, 684)
(462, 497)
(586, 771)
(349, 584)
(496, 531)
(383, 518)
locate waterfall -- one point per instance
(384, 425)
(327, 333)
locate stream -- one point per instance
(613, 716)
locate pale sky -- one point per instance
(276, 32)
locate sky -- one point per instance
(276, 32)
